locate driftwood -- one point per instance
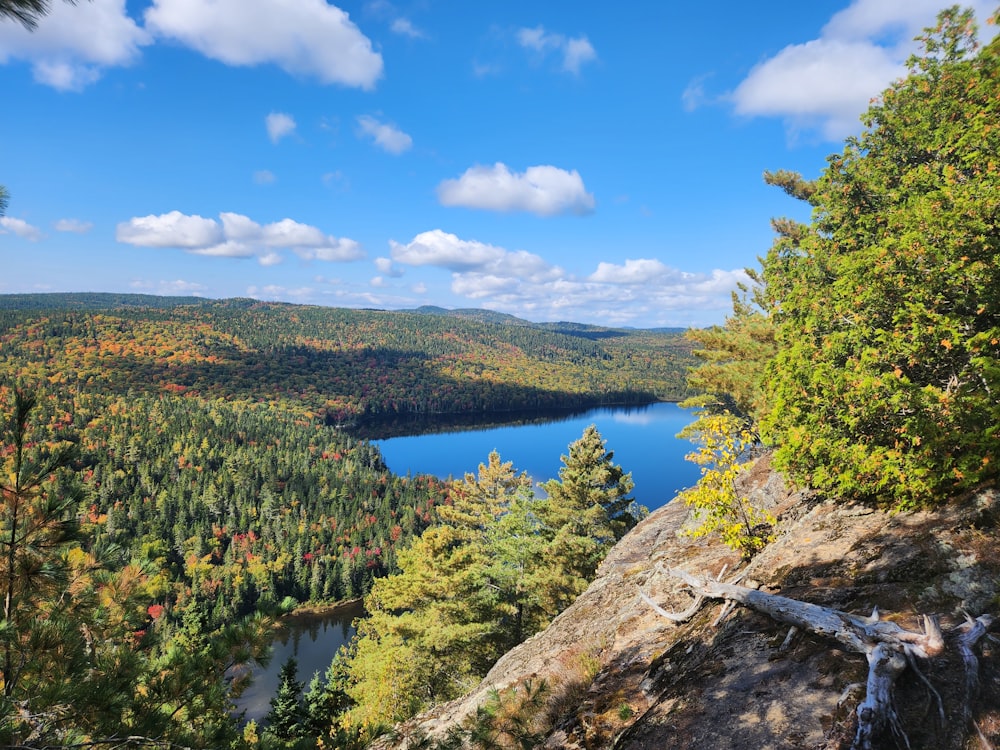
(889, 648)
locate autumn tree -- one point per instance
(887, 306)
(725, 443)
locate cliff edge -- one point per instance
(619, 675)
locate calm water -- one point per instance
(642, 438)
(312, 640)
(644, 443)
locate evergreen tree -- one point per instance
(587, 511)
(284, 719)
(887, 307)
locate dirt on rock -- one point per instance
(622, 676)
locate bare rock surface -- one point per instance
(621, 676)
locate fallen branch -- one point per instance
(888, 647)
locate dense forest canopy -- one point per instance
(337, 363)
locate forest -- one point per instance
(174, 471)
(334, 364)
(200, 453)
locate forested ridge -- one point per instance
(336, 363)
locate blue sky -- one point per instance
(558, 160)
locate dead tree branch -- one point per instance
(888, 647)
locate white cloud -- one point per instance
(525, 284)
(387, 137)
(172, 229)
(303, 37)
(73, 225)
(826, 83)
(823, 82)
(542, 190)
(279, 125)
(404, 27)
(438, 248)
(694, 95)
(574, 51)
(386, 267)
(237, 236)
(639, 271)
(264, 177)
(20, 227)
(74, 44)
(171, 288)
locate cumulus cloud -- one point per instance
(73, 225)
(19, 227)
(279, 125)
(438, 248)
(826, 83)
(236, 236)
(74, 44)
(172, 229)
(574, 52)
(303, 37)
(522, 283)
(542, 190)
(386, 136)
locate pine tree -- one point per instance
(587, 511)
(284, 720)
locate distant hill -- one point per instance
(91, 301)
(344, 364)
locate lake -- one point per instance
(312, 639)
(643, 439)
(644, 442)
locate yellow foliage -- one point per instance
(719, 508)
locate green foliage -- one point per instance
(733, 359)
(718, 506)
(80, 656)
(496, 568)
(432, 629)
(285, 717)
(587, 511)
(887, 306)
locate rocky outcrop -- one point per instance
(622, 676)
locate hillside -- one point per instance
(337, 363)
(622, 676)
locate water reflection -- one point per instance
(312, 639)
